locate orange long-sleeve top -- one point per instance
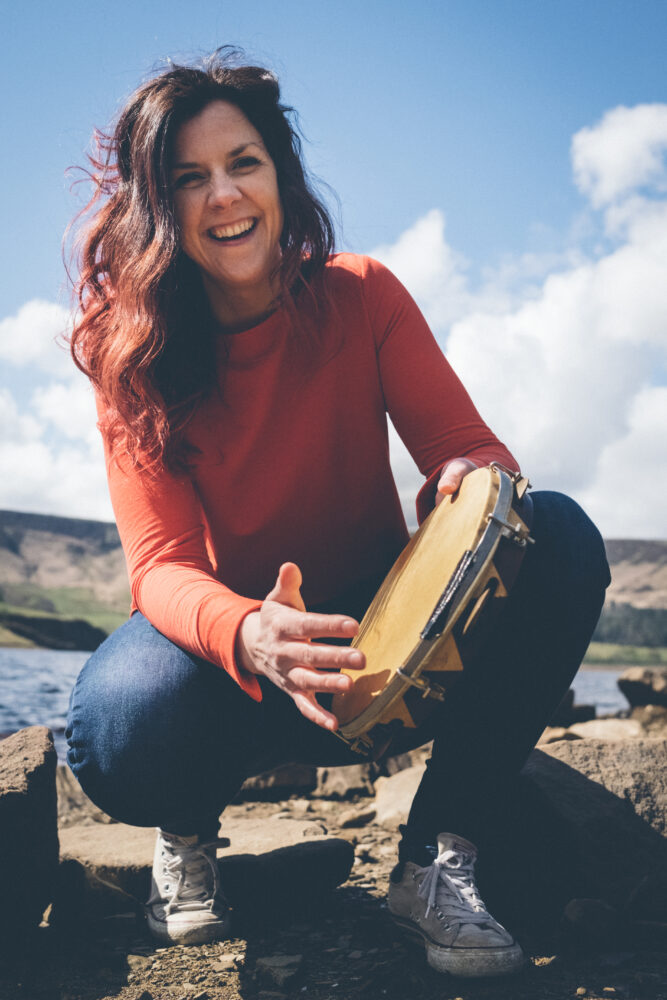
(292, 463)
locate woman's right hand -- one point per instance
(275, 641)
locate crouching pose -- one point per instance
(244, 373)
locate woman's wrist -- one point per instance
(245, 642)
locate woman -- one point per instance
(243, 375)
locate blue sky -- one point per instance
(461, 112)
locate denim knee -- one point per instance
(139, 722)
(569, 540)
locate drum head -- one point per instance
(392, 625)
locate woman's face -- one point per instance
(228, 209)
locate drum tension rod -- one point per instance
(517, 534)
(427, 689)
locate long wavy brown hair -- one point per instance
(144, 332)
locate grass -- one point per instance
(98, 615)
(613, 654)
(69, 602)
(8, 638)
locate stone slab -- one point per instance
(264, 858)
(28, 828)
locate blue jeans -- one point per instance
(158, 737)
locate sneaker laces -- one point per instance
(449, 888)
(193, 867)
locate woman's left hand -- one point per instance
(452, 476)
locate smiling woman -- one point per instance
(228, 212)
(143, 284)
(244, 373)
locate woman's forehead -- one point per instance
(220, 127)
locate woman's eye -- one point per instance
(186, 179)
(245, 162)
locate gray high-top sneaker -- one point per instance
(186, 904)
(441, 904)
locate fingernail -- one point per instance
(355, 658)
(348, 623)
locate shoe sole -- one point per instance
(195, 934)
(467, 963)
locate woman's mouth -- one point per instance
(233, 231)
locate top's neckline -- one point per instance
(250, 344)
(222, 332)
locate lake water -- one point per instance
(35, 686)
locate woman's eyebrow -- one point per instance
(232, 152)
(239, 149)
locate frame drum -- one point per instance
(435, 608)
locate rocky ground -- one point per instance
(340, 945)
(583, 879)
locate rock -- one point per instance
(28, 828)
(345, 782)
(567, 712)
(652, 719)
(109, 865)
(74, 806)
(644, 685)
(314, 830)
(608, 729)
(356, 817)
(581, 713)
(392, 765)
(394, 795)
(607, 805)
(554, 733)
(279, 783)
(278, 970)
(138, 963)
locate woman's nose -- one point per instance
(223, 190)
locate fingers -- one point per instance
(316, 656)
(288, 623)
(312, 710)
(313, 681)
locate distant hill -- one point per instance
(63, 581)
(638, 571)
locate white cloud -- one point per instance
(50, 451)
(69, 481)
(69, 409)
(561, 363)
(624, 151)
(435, 274)
(29, 339)
(630, 483)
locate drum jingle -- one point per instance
(435, 608)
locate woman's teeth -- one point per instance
(233, 231)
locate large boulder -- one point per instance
(644, 685)
(609, 800)
(28, 828)
(105, 868)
